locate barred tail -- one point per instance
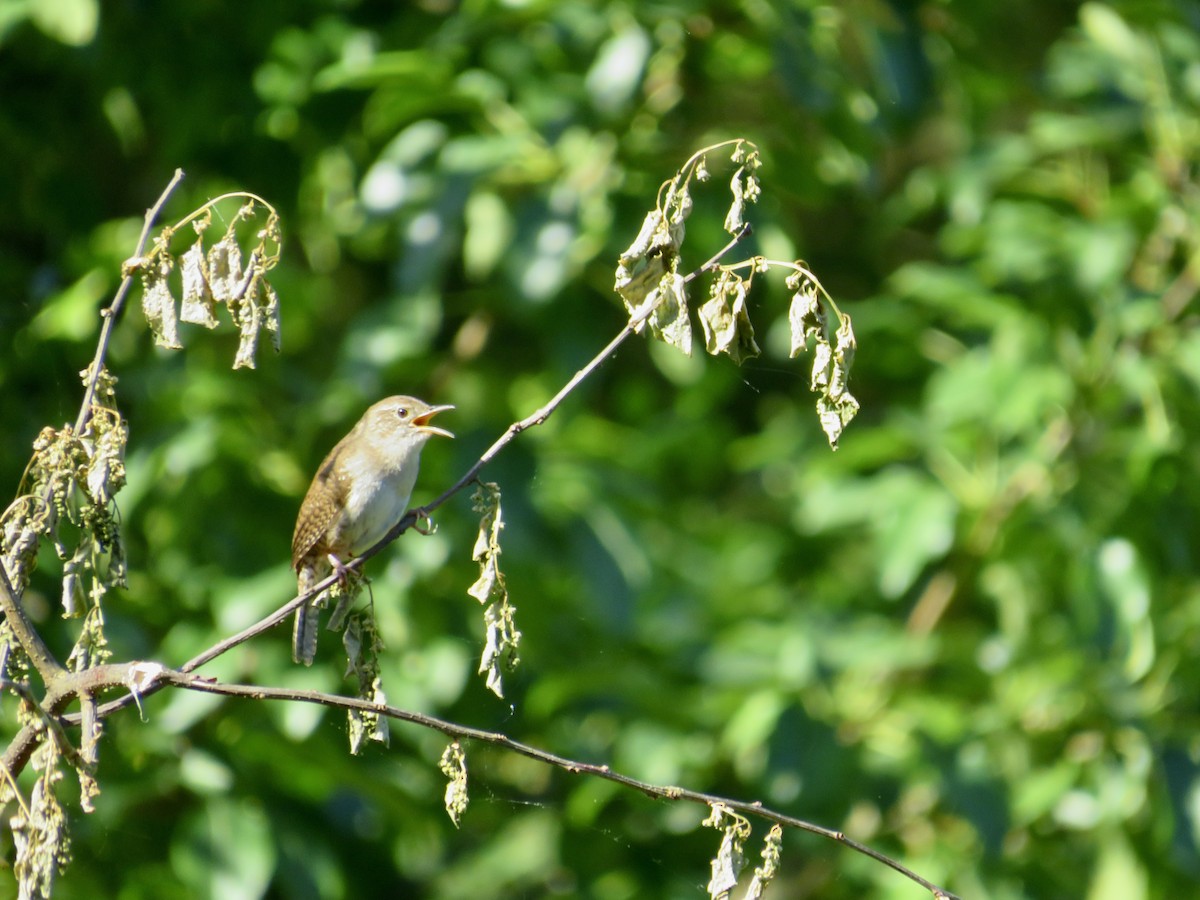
(304, 632)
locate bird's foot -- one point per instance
(343, 572)
(423, 523)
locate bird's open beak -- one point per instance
(422, 421)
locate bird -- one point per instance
(359, 492)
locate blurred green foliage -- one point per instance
(969, 638)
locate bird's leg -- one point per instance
(343, 574)
(422, 515)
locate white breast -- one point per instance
(373, 505)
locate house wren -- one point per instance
(360, 491)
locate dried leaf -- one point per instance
(822, 360)
(271, 315)
(363, 647)
(730, 858)
(503, 638)
(743, 185)
(835, 415)
(805, 316)
(352, 644)
(158, 304)
(501, 644)
(72, 593)
(249, 321)
(486, 501)
(843, 358)
(735, 218)
(641, 268)
(89, 790)
(225, 268)
(453, 765)
(106, 459)
(73, 570)
(726, 322)
(654, 253)
(487, 582)
(670, 322)
(764, 874)
(39, 830)
(197, 305)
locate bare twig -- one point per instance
(48, 722)
(540, 416)
(575, 767)
(258, 627)
(63, 688)
(111, 313)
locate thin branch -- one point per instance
(201, 210)
(61, 691)
(31, 642)
(207, 655)
(113, 310)
(265, 624)
(49, 722)
(575, 767)
(540, 416)
(19, 749)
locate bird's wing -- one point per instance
(325, 498)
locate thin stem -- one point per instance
(261, 625)
(201, 210)
(113, 311)
(53, 724)
(688, 170)
(540, 416)
(715, 260)
(575, 767)
(755, 262)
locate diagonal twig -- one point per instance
(112, 312)
(575, 767)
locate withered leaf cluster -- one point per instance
(215, 275)
(503, 638)
(654, 292)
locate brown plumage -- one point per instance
(360, 491)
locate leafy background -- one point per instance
(968, 638)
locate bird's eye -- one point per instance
(402, 412)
